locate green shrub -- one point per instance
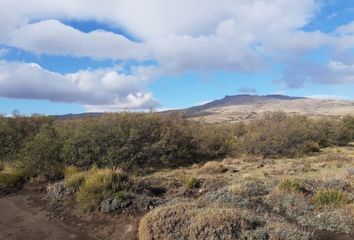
(289, 185)
(334, 198)
(99, 184)
(16, 131)
(41, 155)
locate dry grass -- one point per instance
(283, 193)
(97, 185)
(10, 176)
(213, 167)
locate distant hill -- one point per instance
(248, 107)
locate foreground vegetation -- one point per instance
(279, 177)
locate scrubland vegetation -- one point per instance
(281, 177)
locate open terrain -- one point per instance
(252, 189)
(151, 176)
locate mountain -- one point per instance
(248, 107)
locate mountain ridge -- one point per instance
(244, 107)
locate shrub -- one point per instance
(223, 198)
(278, 135)
(216, 223)
(9, 177)
(213, 167)
(334, 198)
(70, 170)
(170, 222)
(292, 204)
(254, 187)
(337, 220)
(99, 184)
(16, 131)
(183, 221)
(286, 231)
(41, 155)
(189, 182)
(288, 185)
(74, 180)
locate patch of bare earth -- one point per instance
(28, 215)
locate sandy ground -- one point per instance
(20, 221)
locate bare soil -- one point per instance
(28, 215)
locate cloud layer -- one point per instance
(93, 89)
(179, 35)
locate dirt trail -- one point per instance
(19, 221)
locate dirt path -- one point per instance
(19, 221)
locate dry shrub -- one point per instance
(184, 221)
(218, 223)
(224, 198)
(253, 187)
(290, 204)
(10, 176)
(318, 184)
(285, 231)
(335, 156)
(170, 222)
(74, 180)
(70, 170)
(213, 167)
(337, 220)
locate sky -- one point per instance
(73, 56)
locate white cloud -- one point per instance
(346, 29)
(330, 97)
(335, 72)
(54, 38)
(94, 89)
(180, 35)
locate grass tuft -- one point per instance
(333, 198)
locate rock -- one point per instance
(113, 204)
(56, 190)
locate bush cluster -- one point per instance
(145, 142)
(278, 135)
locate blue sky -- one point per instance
(58, 58)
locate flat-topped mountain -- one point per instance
(247, 107)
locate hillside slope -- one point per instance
(248, 107)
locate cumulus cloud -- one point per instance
(94, 89)
(334, 72)
(221, 35)
(179, 35)
(54, 38)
